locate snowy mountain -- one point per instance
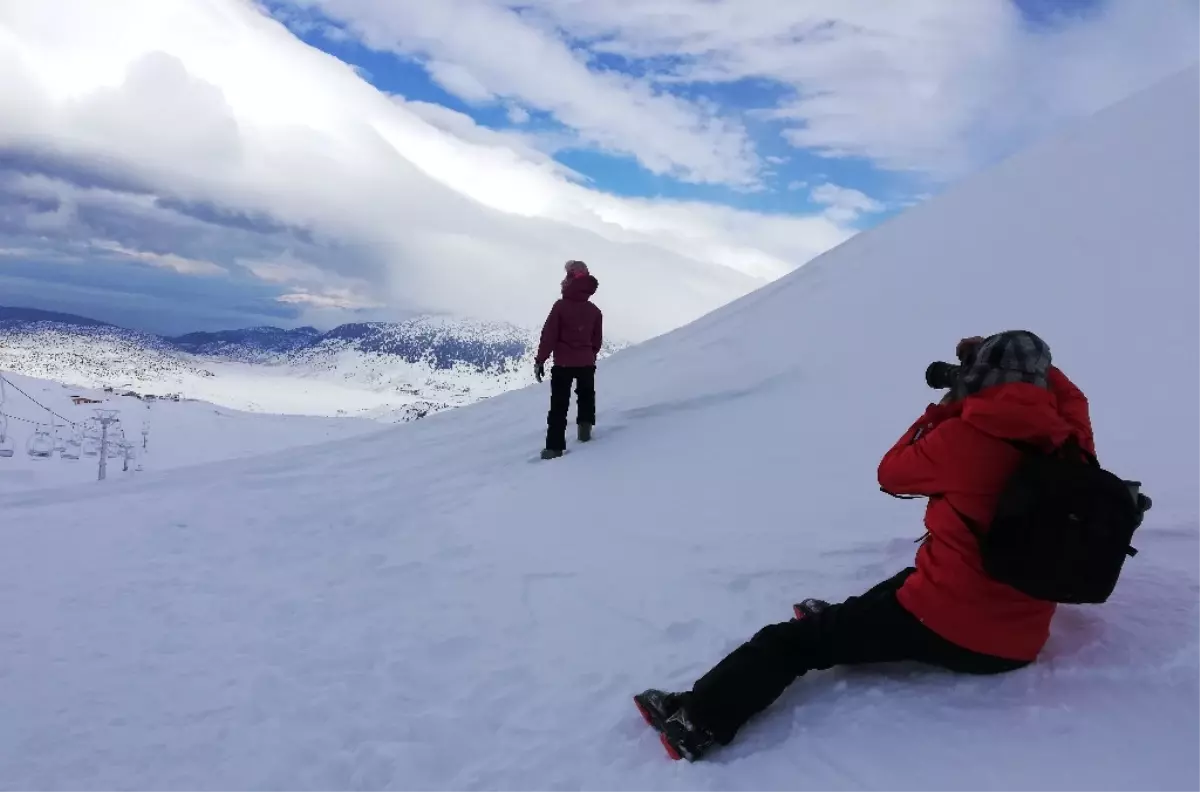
(433, 607)
(16, 317)
(250, 344)
(81, 351)
(394, 371)
(441, 342)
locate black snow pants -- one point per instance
(561, 378)
(870, 628)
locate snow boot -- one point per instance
(551, 453)
(809, 607)
(585, 432)
(667, 714)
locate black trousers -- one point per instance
(561, 378)
(871, 628)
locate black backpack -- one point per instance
(1062, 527)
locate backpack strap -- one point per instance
(1070, 449)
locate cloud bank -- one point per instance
(924, 85)
(201, 135)
(204, 140)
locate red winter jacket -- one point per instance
(956, 454)
(574, 331)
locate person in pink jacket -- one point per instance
(573, 334)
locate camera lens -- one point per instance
(941, 375)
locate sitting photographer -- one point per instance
(946, 611)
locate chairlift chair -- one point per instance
(6, 444)
(90, 444)
(41, 444)
(72, 447)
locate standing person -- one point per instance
(946, 611)
(573, 334)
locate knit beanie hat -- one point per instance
(576, 269)
(1003, 359)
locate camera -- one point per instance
(940, 375)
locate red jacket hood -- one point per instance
(580, 289)
(1018, 411)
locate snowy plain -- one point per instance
(430, 607)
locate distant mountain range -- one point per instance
(410, 368)
(441, 342)
(21, 315)
(265, 340)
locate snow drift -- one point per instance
(429, 608)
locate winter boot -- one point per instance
(585, 432)
(667, 714)
(551, 453)
(809, 607)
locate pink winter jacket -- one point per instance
(573, 332)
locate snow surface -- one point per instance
(180, 434)
(429, 607)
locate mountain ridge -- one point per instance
(406, 370)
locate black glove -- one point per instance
(539, 371)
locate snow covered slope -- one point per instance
(178, 433)
(427, 607)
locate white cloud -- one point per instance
(927, 85)
(284, 269)
(458, 80)
(310, 285)
(844, 204)
(517, 114)
(335, 298)
(211, 103)
(480, 50)
(170, 261)
(535, 147)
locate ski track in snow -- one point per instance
(417, 608)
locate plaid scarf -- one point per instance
(1003, 359)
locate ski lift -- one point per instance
(72, 447)
(91, 439)
(41, 444)
(6, 444)
(127, 452)
(116, 443)
(60, 440)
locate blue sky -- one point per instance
(206, 164)
(623, 175)
(792, 167)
